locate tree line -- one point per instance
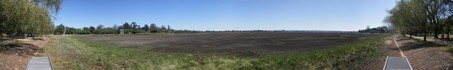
(132, 28)
(422, 18)
(381, 29)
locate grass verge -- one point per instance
(82, 54)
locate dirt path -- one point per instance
(393, 48)
(16, 57)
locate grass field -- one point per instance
(294, 51)
(247, 44)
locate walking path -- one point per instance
(397, 63)
(39, 63)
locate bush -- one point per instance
(105, 31)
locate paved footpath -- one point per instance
(39, 63)
(397, 63)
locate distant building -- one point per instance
(121, 31)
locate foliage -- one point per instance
(126, 26)
(146, 27)
(27, 16)
(92, 29)
(106, 31)
(59, 29)
(382, 29)
(132, 28)
(415, 17)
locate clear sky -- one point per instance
(344, 15)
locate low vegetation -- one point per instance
(84, 54)
(126, 28)
(381, 29)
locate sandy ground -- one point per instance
(16, 58)
(12, 62)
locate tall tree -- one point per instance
(163, 27)
(59, 29)
(434, 14)
(52, 5)
(27, 16)
(99, 27)
(146, 27)
(133, 25)
(153, 26)
(92, 29)
(115, 26)
(409, 17)
(126, 26)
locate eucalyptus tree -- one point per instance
(448, 22)
(146, 27)
(99, 27)
(418, 17)
(59, 29)
(153, 26)
(409, 17)
(133, 25)
(126, 26)
(435, 11)
(92, 29)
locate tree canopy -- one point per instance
(27, 16)
(421, 17)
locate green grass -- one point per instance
(343, 57)
(83, 54)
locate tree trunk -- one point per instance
(436, 32)
(436, 27)
(410, 35)
(424, 36)
(442, 35)
(448, 35)
(404, 35)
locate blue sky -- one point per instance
(344, 15)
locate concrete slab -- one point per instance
(397, 63)
(39, 63)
